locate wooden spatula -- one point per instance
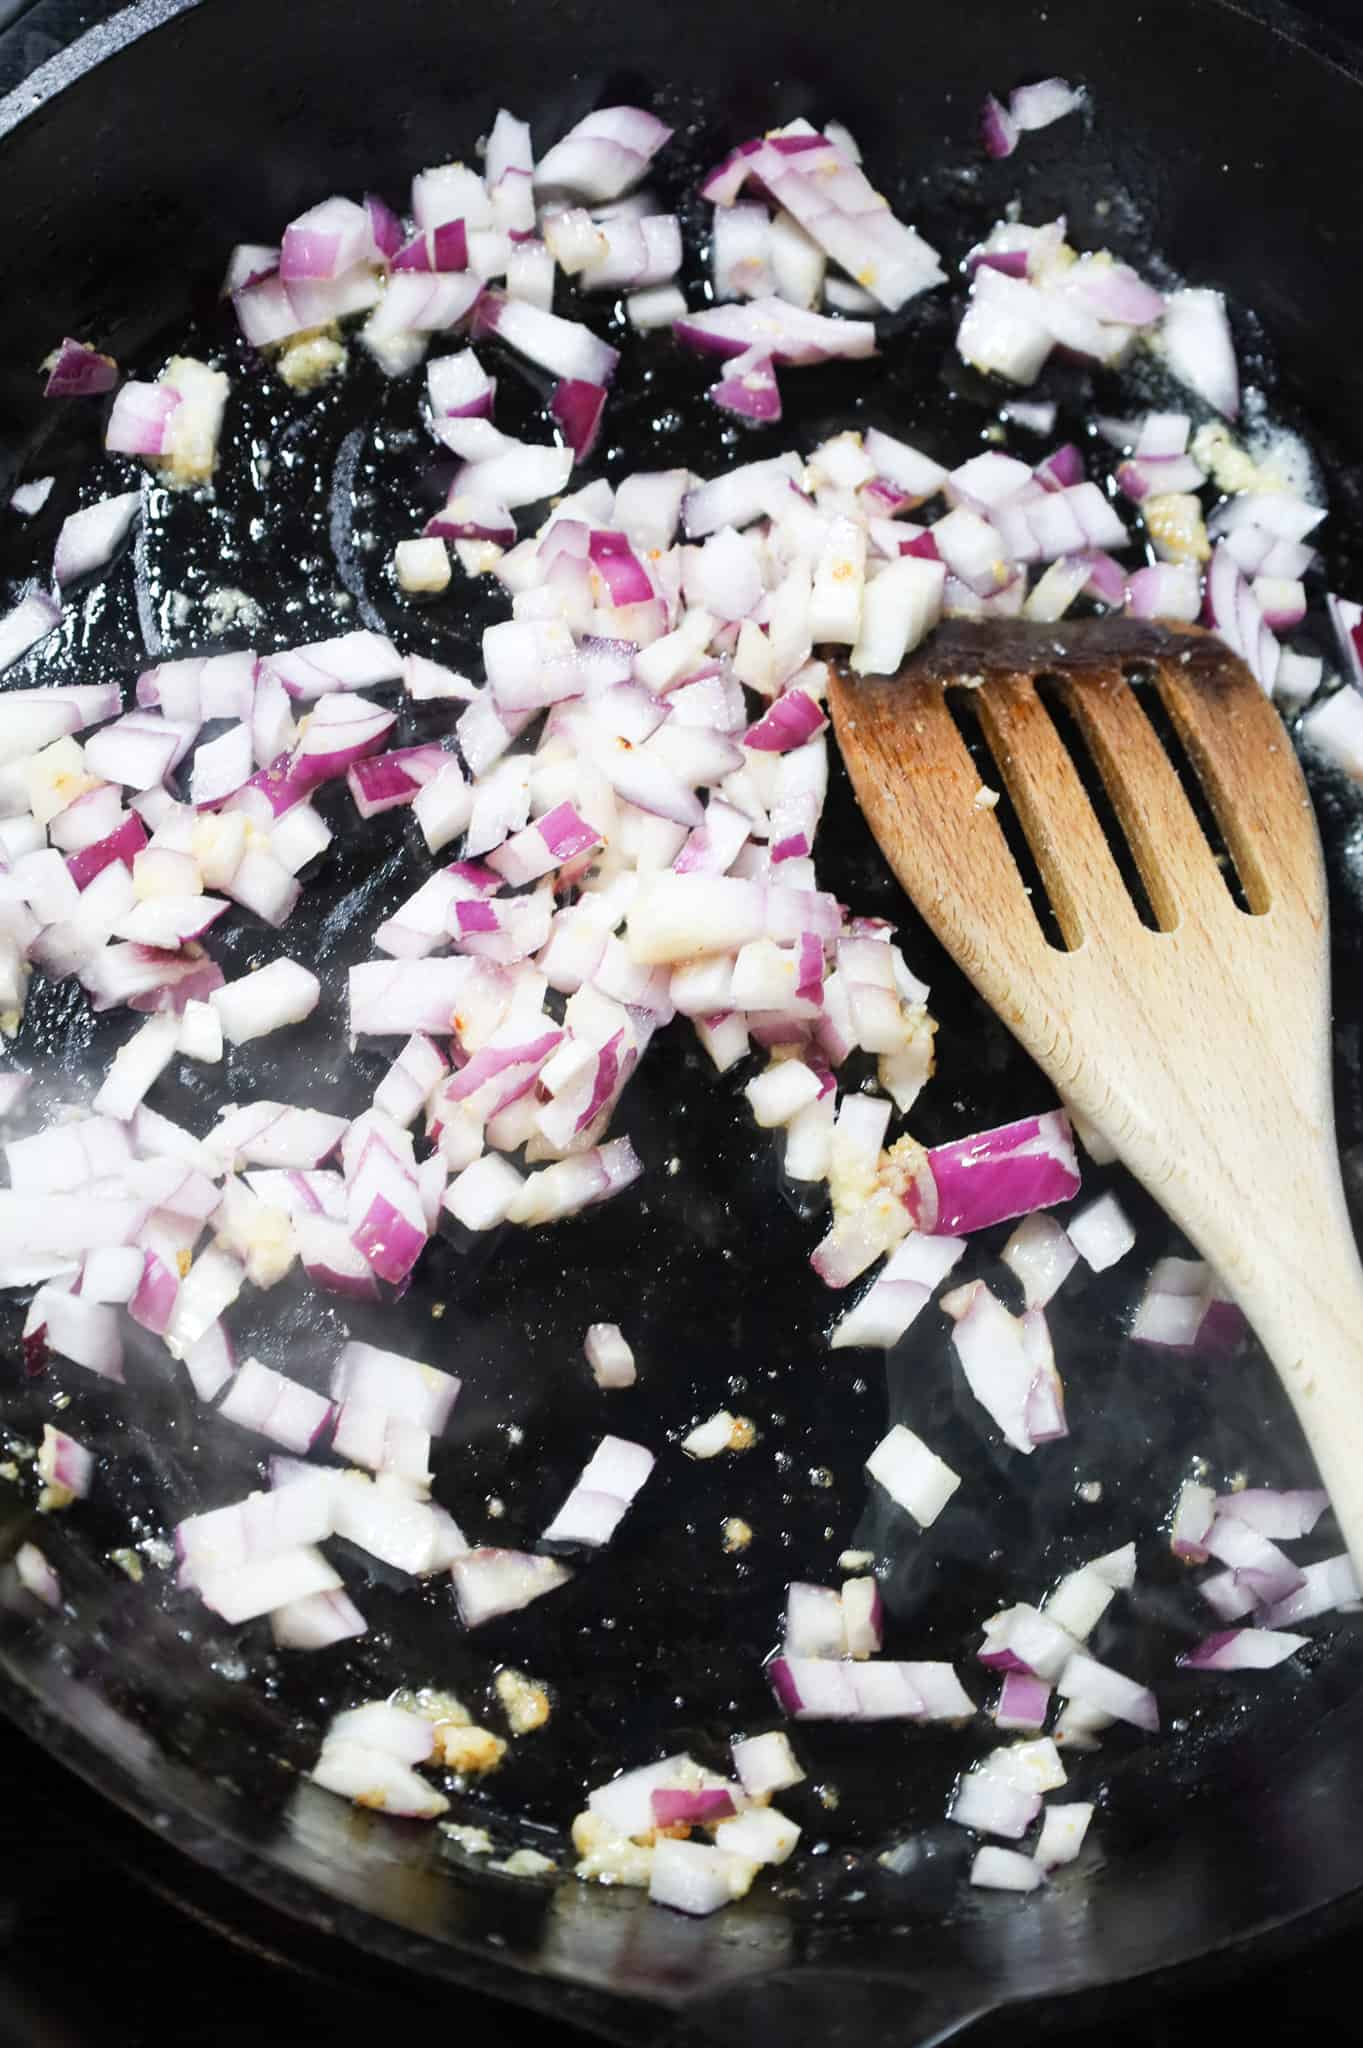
(1200, 1050)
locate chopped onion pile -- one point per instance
(618, 829)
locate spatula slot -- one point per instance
(1052, 692)
(961, 702)
(1152, 703)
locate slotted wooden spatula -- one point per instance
(1200, 1050)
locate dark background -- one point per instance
(109, 1937)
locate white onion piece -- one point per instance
(1260, 1567)
(998, 1364)
(1063, 1829)
(1334, 729)
(1196, 340)
(813, 1623)
(37, 1576)
(84, 1332)
(609, 1356)
(761, 1835)
(402, 1386)
(1227, 1598)
(1193, 1513)
(766, 1764)
(238, 1594)
(373, 1779)
(1005, 1870)
(267, 1000)
(1021, 1639)
(987, 1802)
(28, 500)
(489, 1583)
(277, 1407)
(1328, 1584)
(605, 1488)
(1042, 1256)
(1097, 1685)
(316, 1621)
(1101, 1233)
(89, 539)
(1079, 1602)
(696, 1877)
(913, 1476)
(1280, 1516)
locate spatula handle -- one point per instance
(1298, 1278)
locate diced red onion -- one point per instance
(1002, 1173)
(999, 129)
(1243, 1649)
(780, 332)
(79, 371)
(577, 407)
(604, 155)
(1023, 1702)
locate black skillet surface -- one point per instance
(660, 1643)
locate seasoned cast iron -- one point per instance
(1216, 145)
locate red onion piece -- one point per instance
(604, 155)
(326, 242)
(749, 388)
(577, 409)
(999, 129)
(139, 423)
(64, 1463)
(1003, 1173)
(565, 347)
(700, 1808)
(1023, 1702)
(782, 333)
(76, 370)
(1243, 1649)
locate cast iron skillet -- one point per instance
(130, 165)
